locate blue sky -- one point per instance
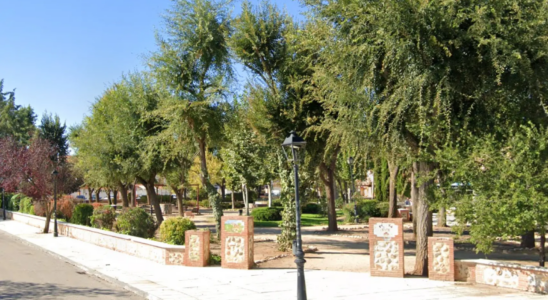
(60, 55)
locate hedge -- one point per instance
(266, 214)
(82, 214)
(172, 230)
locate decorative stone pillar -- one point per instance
(196, 248)
(404, 214)
(441, 262)
(386, 247)
(237, 242)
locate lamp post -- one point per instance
(350, 162)
(3, 205)
(295, 143)
(54, 173)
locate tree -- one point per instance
(52, 130)
(15, 121)
(437, 70)
(506, 188)
(194, 64)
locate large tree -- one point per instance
(51, 129)
(436, 70)
(193, 62)
(15, 121)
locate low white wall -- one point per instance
(147, 249)
(495, 273)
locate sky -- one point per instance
(60, 55)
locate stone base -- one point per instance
(196, 248)
(441, 262)
(237, 242)
(386, 247)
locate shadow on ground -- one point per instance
(10, 290)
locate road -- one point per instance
(27, 272)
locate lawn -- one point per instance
(306, 220)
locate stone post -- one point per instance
(237, 242)
(441, 262)
(196, 248)
(404, 214)
(386, 247)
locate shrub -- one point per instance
(383, 209)
(214, 259)
(103, 217)
(172, 230)
(25, 205)
(96, 205)
(13, 202)
(65, 207)
(31, 210)
(204, 203)
(366, 209)
(266, 214)
(40, 208)
(142, 200)
(136, 222)
(311, 208)
(82, 214)
(277, 203)
(339, 203)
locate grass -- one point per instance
(306, 220)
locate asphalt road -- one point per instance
(26, 272)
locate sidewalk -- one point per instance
(155, 281)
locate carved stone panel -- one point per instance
(386, 247)
(441, 265)
(237, 242)
(196, 248)
(387, 256)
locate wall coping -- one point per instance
(496, 263)
(107, 233)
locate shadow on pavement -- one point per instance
(26, 290)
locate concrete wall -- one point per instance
(158, 252)
(514, 276)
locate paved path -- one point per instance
(27, 272)
(157, 281)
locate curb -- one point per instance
(91, 272)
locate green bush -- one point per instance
(82, 214)
(136, 222)
(204, 203)
(103, 217)
(14, 201)
(366, 209)
(172, 230)
(142, 200)
(311, 208)
(339, 203)
(25, 205)
(277, 203)
(383, 208)
(31, 211)
(266, 214)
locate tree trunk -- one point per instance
(49, 210)
(180, 204)
(414, 196)
(542, 246)
(115, 198)
(151, 195)
(90, 192)
(214, 199)
(97, 194)
(341, 190)
(270, 193)
(327, 175)
(442, 217)
(424, 221)
(232, 196)
(123, 191)
(392, 196)
(223, 190)
(528, 240)
(108, 197)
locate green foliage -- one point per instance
(103, 217)
(14, 202)
(214, 260)
(82, 214)
(172, 230)
(204, 203)
(312, 208)
(382, 179)
(31, 211)
(25, 205)
(366, 209)
(15, 121)
(266, 214)
(53, 131)
(136, 222)
(383, 207)
(277, 203)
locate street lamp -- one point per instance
(296, 143)
(350, 162)
(54, 173)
